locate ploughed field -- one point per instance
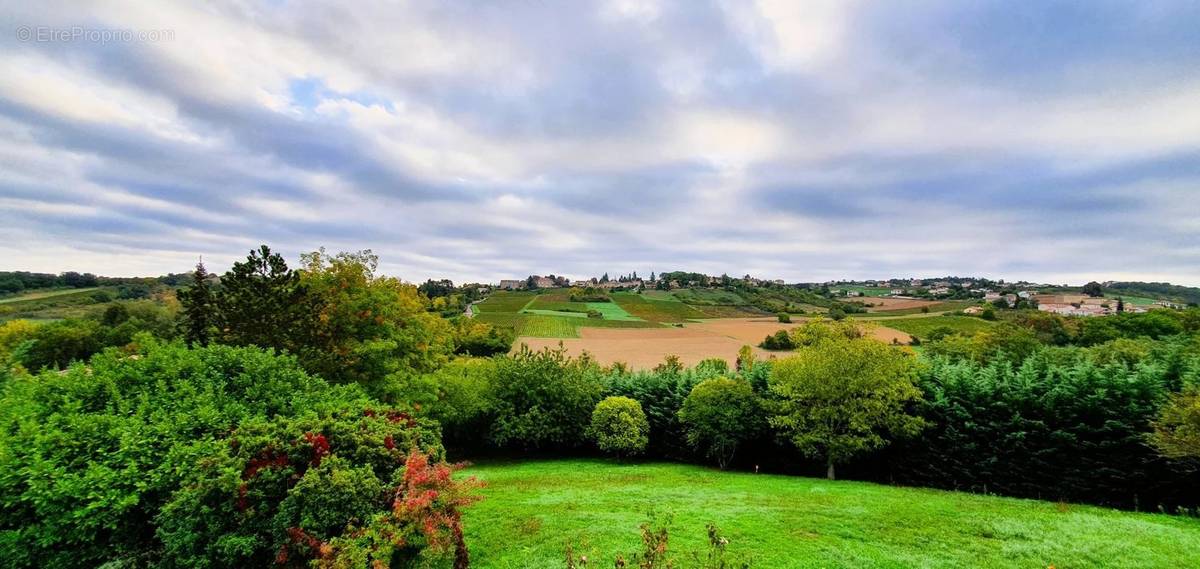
(693, 342)
(533, 509)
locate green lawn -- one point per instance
(920, 327)
(532, 509)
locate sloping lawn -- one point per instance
(533, 509)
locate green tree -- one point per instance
(1093, 289)
(844, 396)
(262, 303)
(199, 308)
(719, 415)
(619, 426)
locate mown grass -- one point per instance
(656, 310)
(921, 327)
(612, 311)
(532, 509)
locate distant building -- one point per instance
(897, 291)
(991, 296)
(582, 283)
(544, 282)
(511, 284)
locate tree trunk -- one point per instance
(829, 470)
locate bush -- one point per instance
(619, 426)
(121, 436)
(778, 341)
(719, 415)
(544, 399)
(784, 318)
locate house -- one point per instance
(1025, 294)
(581, 284)
(544, 282)
(916, 282)
(1011, 298)
(991, 296)
(939, 290)
(511, 284)
(897, 291)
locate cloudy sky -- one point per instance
(807, 140)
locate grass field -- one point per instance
(665, 311)
(506, 301)
(867, 291)
(708, 296)
(40, 294)
(944, 306)
(611, 311)
(54, 304)
(531, 510)
(920, 327)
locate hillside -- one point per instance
(533, 509)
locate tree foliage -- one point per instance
(719, 415)
(841, 396)
(619, 426)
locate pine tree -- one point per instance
(199, 308)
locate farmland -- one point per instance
(533, 509)
(691, 343)
(920, 327)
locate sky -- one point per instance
(1046, 141)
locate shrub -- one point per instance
(619, 426)
(719, 415)
(120, 436)
(778, 341)
(784, 318)
(544, 399)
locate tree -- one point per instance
(745, 358)
(784, 318)
(263, 303)
(719, 415)
(1093, 289)
(619, 426)
(199, 308)
(370, 329)
(1177, 430)
(1120, 305)
(844, 396)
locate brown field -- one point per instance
(884, 304)
(644, 348)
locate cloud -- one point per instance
(800, 141)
